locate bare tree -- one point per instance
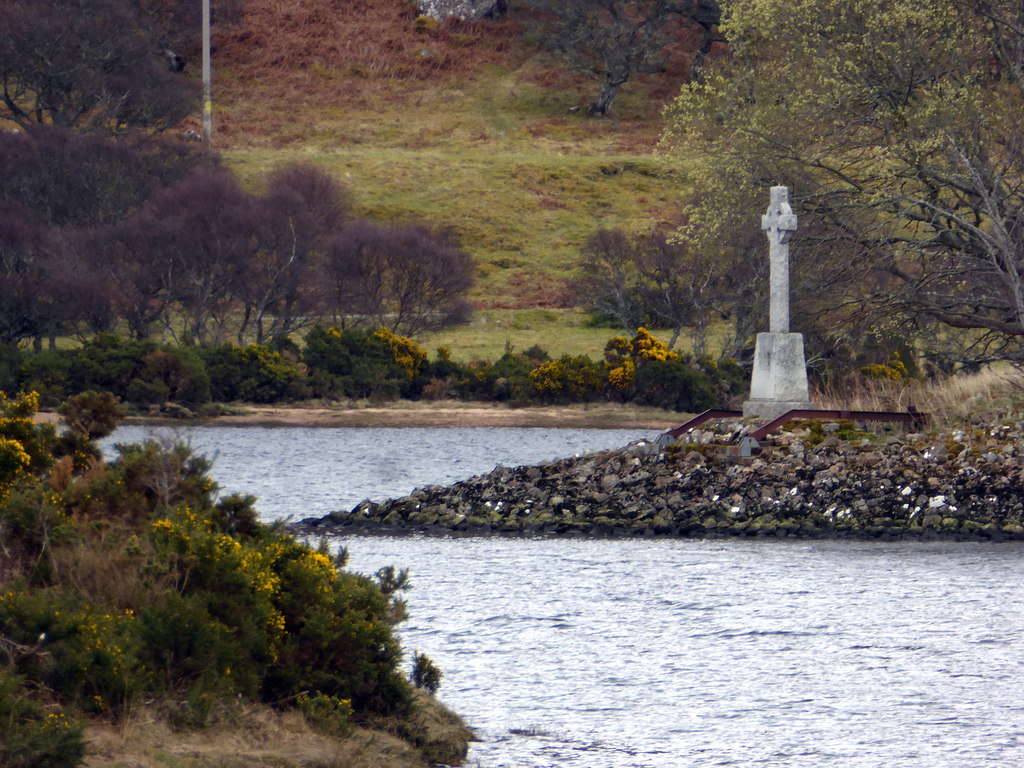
(22, 302)
(304, 206)
(649, 280)
(613, 40)
(409, 278)
(199, 237)
(64, 178)
(138, 277)
(87, 64)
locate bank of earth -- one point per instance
(258, 735)
(818, 480)
(416, 414)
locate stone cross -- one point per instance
(779, 223)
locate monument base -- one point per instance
(768, 410)
(779, 380)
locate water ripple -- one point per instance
(689, 654)
(658, 654)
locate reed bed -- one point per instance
(992, 395)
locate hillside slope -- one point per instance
(466, 125)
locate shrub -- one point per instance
(622, 376)
(91, 650)
(328, 714)
(142, 392)
(50, 374)
(92, 414)
(254, 373)
(729, 378)
(33, 524)
(180, 371)
(675, 385)
(159, 590)
(425, 25)
(425, 674)
(35, 440)
(571, 378)
(11, 360)
(108, 364)
(644, 346)
(34, 736)
(508, 378)
(352, 363)
(407, 354)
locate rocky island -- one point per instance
(814, 480)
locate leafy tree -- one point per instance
(87, 64)
(900, 127)
(612, 40)
(408, 278)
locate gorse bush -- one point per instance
(31, 736)
(425, 674)
(357, 364)
(253, 373)
(508, 378)
(139, 372)
(131, 580)
(570, 378)
(352, 363)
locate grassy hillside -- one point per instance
(467, 125)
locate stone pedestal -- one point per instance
(779, 381)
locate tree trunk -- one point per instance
(699, 337)
(603, 105)
(696, 69)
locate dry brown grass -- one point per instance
(990, 396)
(300, 67)
(255, 736)
(286, 61)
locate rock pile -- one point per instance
(823, 483)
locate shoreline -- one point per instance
(827, 484)
(415, 414)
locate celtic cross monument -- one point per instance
(779, 380)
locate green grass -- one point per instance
(522, 216)
(500, 160)
(506, 157)
(491, 332)
(558, 331)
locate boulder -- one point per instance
(462, 9)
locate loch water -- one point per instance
(664, 653)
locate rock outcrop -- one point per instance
(462, 9)
(962, 485)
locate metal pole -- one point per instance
(207, 90)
